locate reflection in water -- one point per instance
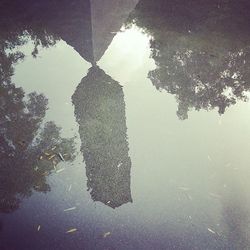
(100, 112)
(16, 30)
(22, 140)
(200, 60)
(107, 17)
(87, 25)
(202, 54)
(89, 28)
(201, 49)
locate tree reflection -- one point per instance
(100, 112)
(199, 59)
(26, 150)
(16, 29)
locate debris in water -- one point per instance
(215, 195)
(211, 231)
(72, 230)
(61, 157)
(70, 186)
(69, 209)
(60, 170)
(106, 234)
(209, 158)
(51, 157)
(189, 197)
(184, 188)
(38, 228)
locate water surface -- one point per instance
(124, 124)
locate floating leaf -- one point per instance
(106, 234)
(69, 209)
(60, 170)
(72, 230)
(211, 231)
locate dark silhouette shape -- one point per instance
(89, 26)
(100, 112)
(201, 50)
(107, 18)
